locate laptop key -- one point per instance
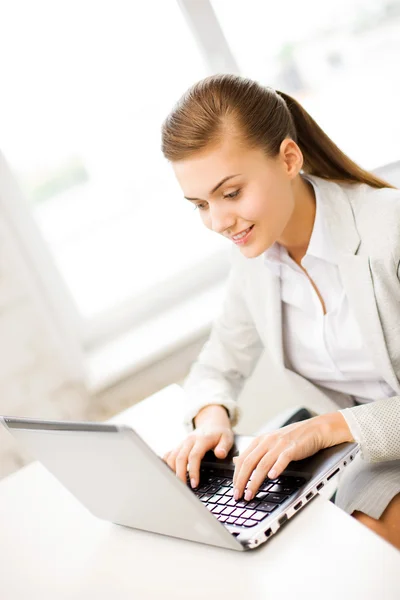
(203, 489)
(265, 486)
(261, 495)
(228, 482)
(240, 521)
(213, 489)
(231, 520)
(247, 514)
(253, 504)
(217, 508)
(206, 498)
(232, 502)
(227, 510)
(229, 492)
(267, 506)
(222, 518)
(222, 490)
(278, 498)
(299, 481)
(214, 499)
(249, 523)
(222, 499)
(258, 515)
(238, 512)
(218, 480)
(280, 489)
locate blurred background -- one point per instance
(108, 281)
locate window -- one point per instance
(338, 58)
(85, 88)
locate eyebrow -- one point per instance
(216, 187)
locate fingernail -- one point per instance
(248, 495)
(222, 453)
(236, 494)
(272, 474)
(193, 483)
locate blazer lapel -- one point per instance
(357, 276)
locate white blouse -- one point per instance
(326, 349)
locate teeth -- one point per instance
(241, 235)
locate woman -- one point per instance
(322, 235)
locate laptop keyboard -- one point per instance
(215, 490)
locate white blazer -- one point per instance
(365, 226)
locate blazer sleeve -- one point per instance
(227, 358)
(376, 426)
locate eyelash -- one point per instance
(230, 196)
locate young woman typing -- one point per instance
(322, 235)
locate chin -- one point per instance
(251, 251)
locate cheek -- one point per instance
(205, 218)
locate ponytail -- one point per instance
(321, 156)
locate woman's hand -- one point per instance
(213, 432)
(269, 454)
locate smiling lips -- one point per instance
(242, 237)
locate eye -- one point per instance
(200, 206)
(232, 194)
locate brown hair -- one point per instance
(264, 117)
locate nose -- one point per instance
(220, 219)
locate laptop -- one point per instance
(119, 478)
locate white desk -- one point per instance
(52, 548)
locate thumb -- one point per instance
(224, 445)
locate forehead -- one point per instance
(198, 174)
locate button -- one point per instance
(222, 518)
(231, 520)
(222, 490)
(279, 498)
(247, 514)
(282, 489)
(238, 512)
(265, 486)
(253, 504)
(250, 523)
(217, 508)
(228, 510)
(240, 521)
(258, 515)
(206, 498)
(222, 499)
(261, 495)
(214, 499)
(266, 506)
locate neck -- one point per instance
(297, 233)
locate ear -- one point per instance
(292, 157)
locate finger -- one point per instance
(260, 473)
(165, 457)
(196, 454)
(172, 458)
(181, 462)
(247, 468)
(282, 461)
(224, 445)
(243, 456)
